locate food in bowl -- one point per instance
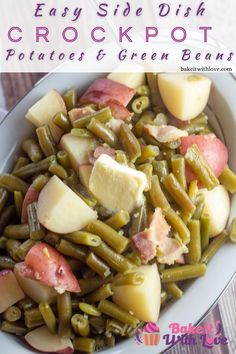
(119, 197)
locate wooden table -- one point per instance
(15, 86)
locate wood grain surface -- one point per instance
(15, 86)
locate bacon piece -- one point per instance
(46, 264)
(164, 133)
(100, 150)
(78, 113)
(147, 241)
(109, 89)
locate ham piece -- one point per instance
(164, 133)
(147, 241)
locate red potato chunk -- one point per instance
(10, 291)
(47, 265)
(212, 149)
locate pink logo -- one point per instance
(148, 335)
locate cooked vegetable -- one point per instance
(228, 179)
(194, 246)
(112, 310)
(232, 230)
(10, 290)
(48, 316)
(64, 309)
(213, 247)
(129, 142)
(130, 79)
(118, 220)
(44, 341)
(43, 111)
(32, 149)
(182, 273)
(217, 206)
(184, 95)
(78, 149)
(61, 214)
(46, 264)
(97, 265)
(142, 300)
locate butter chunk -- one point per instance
(115, 186)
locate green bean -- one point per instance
(232, 230)
(161, 168)
(27, 304)
(101, 293)
(34, 168)
(213, 247)
(6, 262)
(14, 328)
(69, 249)
(114, 311)
(84, 344)
(40, 182)
(116, 327)
(3, 240)
(161, 119)
(80, 325)
(12, 314)
(178, 169)
(11, 247)
(33, 318)
(118, 220)
(24, 248)
(63, 158)
(178, 193)
(205, 231)
(201, 168)
(181, 273)
(135, 278)
(138, 220)
(64, 308)
(98, 265)
(130, 331)
(6, 216)
(118, 242)
(194, 246)
(100, 343)
(103, 132)
(17, 232)
(46, 141)
(12, 183)
(140, 104)
(197, 125)
(89, 309)
(83, 194)
(18, 201)
(84, 238)
(110, 341)
(200, 205)
(98, 323)
(134, 258)
(103, 116)
(113, 259)
(121, 157)
(148, 153)
(147, 169)
(58, 170)
(21, 162)
(193, 190)
(143, 90)
(173, 290)
(164, 297)
(82, 133)
(91, 284)
(36, 231)
(228, 179)
(3, 198)
(157, 103)
(157, 196)
(172, 145)
(62, 121)
(70, 98)
(33, 150)
(52, 238)
(48, 316)
(177, 223)
(146, 118)
(130, 143)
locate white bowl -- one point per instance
(202, 293)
